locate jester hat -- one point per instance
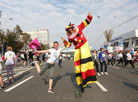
(70, 26)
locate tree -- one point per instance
(1, 37)
(12, 41)
(43, 47)
(18, 31)
(26, 40)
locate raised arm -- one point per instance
(86, 21)
(42, 51)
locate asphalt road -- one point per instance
(121, 85)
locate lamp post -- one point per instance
(3, 42)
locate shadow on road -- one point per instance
(18, 78)
(72, 77)
(133, 86)
(133, 72)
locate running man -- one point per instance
(50, 63)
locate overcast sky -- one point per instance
(55, 15)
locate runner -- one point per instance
(84, 67)
(10, 61)
(50, 63)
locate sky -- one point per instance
(55, 15)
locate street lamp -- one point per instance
(3, 39)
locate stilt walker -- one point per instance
(84, 66)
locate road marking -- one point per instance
(101, 86)
(19, 73)
(13, 87)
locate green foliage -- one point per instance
(16, 38)
(11, 40)
(43, 46)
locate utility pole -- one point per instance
(1, 30)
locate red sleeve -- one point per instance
(86, 22)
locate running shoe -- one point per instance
(106, 73)
(2, 87)
(98, 74)
(102, 73)
(51, 91)
(7, 82)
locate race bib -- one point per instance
(103, 55)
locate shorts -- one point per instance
(0, 69)
(50, 67)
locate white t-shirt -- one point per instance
(120, 55)
(54, 54)
(10, 55)
(129, 57)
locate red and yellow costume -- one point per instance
(84, 66)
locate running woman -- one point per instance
(50, 63)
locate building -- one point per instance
(127, 41)
(42, 36)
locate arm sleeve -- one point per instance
(49, 50)
(67, 43)
(85, 22)
(100, 56)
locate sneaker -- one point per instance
(102, 73)
(2, 87)
(34, 63)
(51, 91)
(7, 82)
(12, 81)
(98, 74)
(106, 73)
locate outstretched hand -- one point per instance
(62, 38)
(90, 14)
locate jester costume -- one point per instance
(84, 67)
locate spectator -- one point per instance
(129, 59)
(113, 59)
(110, 56)
(25, 60)
(10, 61)
(120, 57)
(43, 57)
(102, 59)
(124, 57)
(30, 57)
(95, 59)
(60, 61)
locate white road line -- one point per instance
(13, 87)
(19, 73)
(101, 86)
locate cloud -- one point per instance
(56, 14)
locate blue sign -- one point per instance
(121, 42)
